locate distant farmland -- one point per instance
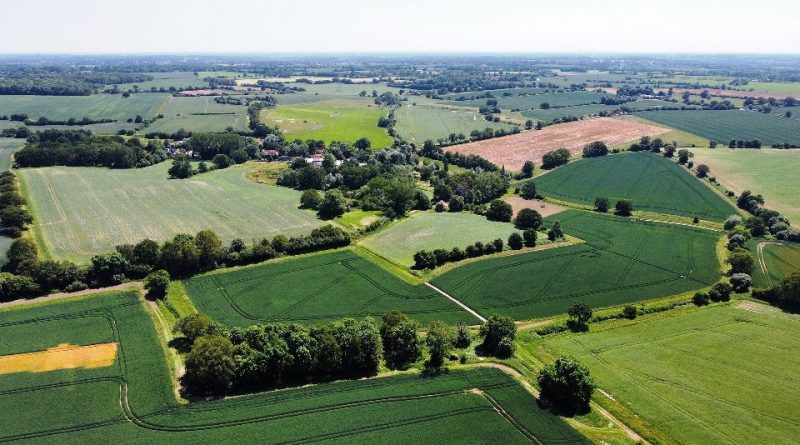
(81, 211)
(314, 289)
(722, 126)
(334, 120)
(622, 261)
(97, 106)
(512, 151)
(651, 181)
(198, 114)
(418, 123)
(529, 101)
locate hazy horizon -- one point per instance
(416, 27)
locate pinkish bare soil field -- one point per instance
(512, 151)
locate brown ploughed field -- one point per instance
(512, 151)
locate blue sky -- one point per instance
(268, 26)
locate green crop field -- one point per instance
(334, 120)
(81, 211)
(315, 288)
(96, 106)
(176, 79)
(771, 173)
(777, 88)
(429, 231)
(722, 126)
(534, 101)
(725, 374)
(198, 114)
(779, 259)
(652, 182)
(417, 123)
(133, 402)
(622, 261)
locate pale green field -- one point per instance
(334, 120)
(183, 112)
(774, 87)
(725, 374)
(769, 172)
(97, 106)
(81, 211)
(177, 79)
(420, 122)
(430, 230)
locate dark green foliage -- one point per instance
(181, 168)
(566, 385)
(555, 232)
(333, 204)
(515, 241)
(222, 161)
(22, 257)
(623, 207)
(700, 299)
(580, 314)
(499, 211)
(401, 345)
(180, 256)
(527, 169)
(756, 226)
(156, 283)
(741, 282)
(208, 145)
(310, 199)
(478, 188)
(741, 261)
(702, 170)
(195, 326)
(209, 365)
(463, 337)
(439, 341)
(528, 190)
(720, 292)
(498, 333)
(553, 159)
(595, 149)
(528, 219)
(529, 236)
(601, 204)
(630, 312)
(209, 249)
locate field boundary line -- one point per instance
(762, 263)
(463, 306)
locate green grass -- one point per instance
(781, 261)
(586, 110)
(722, 126)
(417, 123)
(718, 375)
(771, 173)
(334, 120)
(622, 261)
(315, 288)
(776, 88)
(189, 113)
(429, 230)
(96, 106)
(84, 406)
(652, 182)
(80, 211)
(177, 79)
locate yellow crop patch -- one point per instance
(63, 356)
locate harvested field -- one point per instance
(544, 208)
(512, 151)
(63, 356)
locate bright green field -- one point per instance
(429, 230)
(622, 261)
(97, 106)
(81, 211)
(781, 260)
(315, 288)
(177, 79)
(771, 173)
(718, 375)
(775, 87)
(652, 182)
(417, 123)
(185, 112)
(722, 126)
(132, 401)
(334, 120)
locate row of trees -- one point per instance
(81, 148)
(14, 217)
(185, 255)
(222, 361)
(425, 259)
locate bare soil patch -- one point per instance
(512, 151)
(63, 356)
(544, 208)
